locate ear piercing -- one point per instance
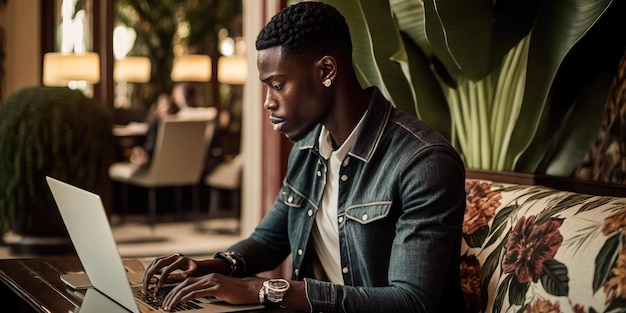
(327, 82)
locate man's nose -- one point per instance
(269, 103)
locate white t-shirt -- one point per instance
(325, 231)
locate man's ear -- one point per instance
(328, 65)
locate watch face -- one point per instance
(278, 284)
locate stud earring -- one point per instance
(327, 82)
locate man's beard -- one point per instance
(302, 134)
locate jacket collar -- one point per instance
(374, 123)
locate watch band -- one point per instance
(234, 260)
(262, 295)
(263, 299)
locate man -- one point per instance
(371, 206)
(141, 155)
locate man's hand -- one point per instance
(139, 156)
(230, 289)
(165, 266)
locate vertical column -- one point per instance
(102, 15)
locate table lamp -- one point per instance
(132, 70)
(59, 68)
(191, 68)
(232, 70)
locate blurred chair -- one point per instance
(225, 178)
(178, 160)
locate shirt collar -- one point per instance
(326, 143)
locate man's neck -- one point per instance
(347, 115)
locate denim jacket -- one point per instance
(400, 211)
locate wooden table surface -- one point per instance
(34, 285)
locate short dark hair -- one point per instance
(307, 28)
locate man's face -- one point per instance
(293, 93)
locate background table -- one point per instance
(128, 136)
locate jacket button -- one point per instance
(290, 199)
(345, 270)
(341, 219)
(296, 271)
(364, 217)
(319, 173)
(344, 177)
(299, 251)
(310, 212)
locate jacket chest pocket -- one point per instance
(368, 212)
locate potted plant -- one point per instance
(515, 85)
(49, 131)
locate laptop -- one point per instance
(88, 226)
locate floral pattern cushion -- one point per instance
(535, 249)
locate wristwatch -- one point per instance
(274, 290)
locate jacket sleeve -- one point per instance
(268, 246)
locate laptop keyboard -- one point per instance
(155, 301)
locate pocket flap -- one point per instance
(368, 212)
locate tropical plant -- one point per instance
(508, 82)
(49, 131)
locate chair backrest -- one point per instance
(180, 152)
(226, 175)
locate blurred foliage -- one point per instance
(157, 24)
(50, 131)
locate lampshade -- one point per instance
(132, 69)
(191, 68)
(59, 68)
(232, 70)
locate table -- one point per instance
(127, 137)
(33, 285)
(130, 130)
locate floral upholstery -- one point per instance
(535, 249)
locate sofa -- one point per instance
(533, 244)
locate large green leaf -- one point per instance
(410, 20)
(459, 31)
(377, 49)
(471, 36)
(430, 103)
(560, 25)
(424, 52)
(584, 77)
(572, 141)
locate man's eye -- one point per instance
(278, 86)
